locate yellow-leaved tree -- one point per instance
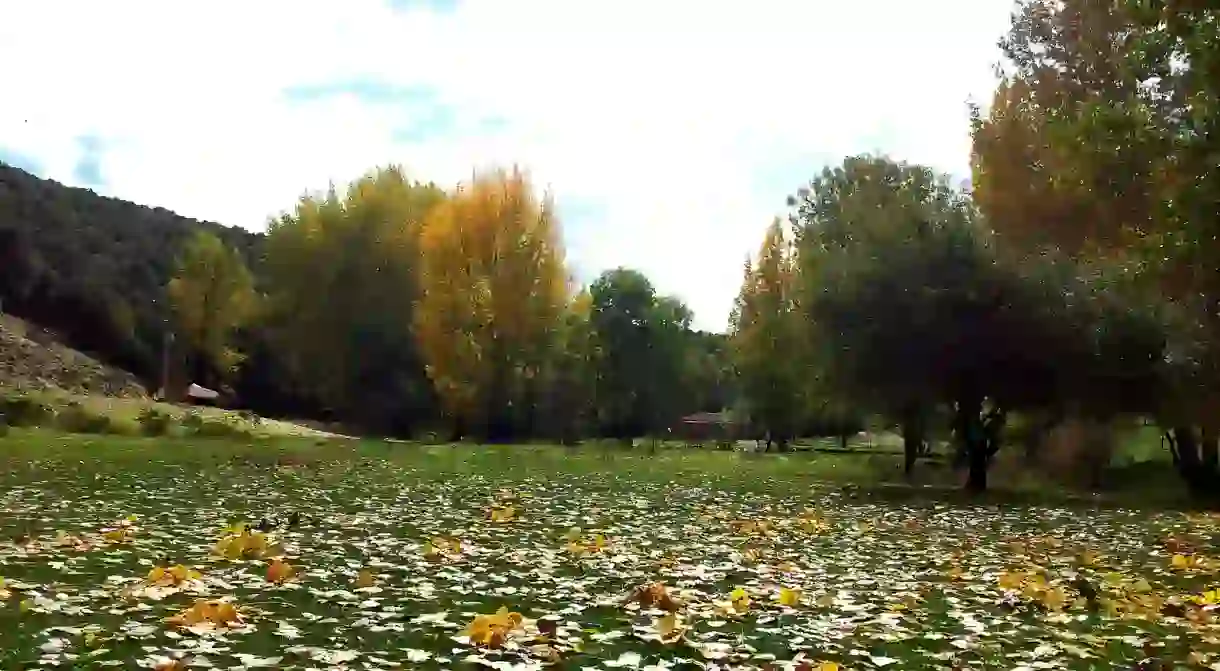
(211, 296)
(765, 332)
(494, 290)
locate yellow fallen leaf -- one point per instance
(1011, 580)
(208, 614)
(741, 600)
(492, 630)
(789, 597)
(365, 578)
(670, 628)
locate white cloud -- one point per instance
(661, 114)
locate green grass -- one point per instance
(906, 581)
(123, 414)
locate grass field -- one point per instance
(395, 550)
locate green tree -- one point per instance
(568, 410)
(1103, 143)
(341, 274)
(912, 307)
(641, 342)
(212, 296)
(765, 332)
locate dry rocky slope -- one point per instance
(31, 359)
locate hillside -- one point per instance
(31, 360)
(93, 268)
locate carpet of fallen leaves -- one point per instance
(371, 565)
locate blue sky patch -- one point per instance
(433, 121)
(88, 169)
(20, 160)
(369, 91)
(437, 6)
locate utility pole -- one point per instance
(166, 339)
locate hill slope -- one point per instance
(93, 268)
(31, 360)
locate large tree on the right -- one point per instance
(1103, 143)
(913, 308)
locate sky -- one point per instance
(669, 132)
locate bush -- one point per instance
(252, 417)
(153, 422)
(75, 418)
(203, 427)
(1079, 451)
(20, 410)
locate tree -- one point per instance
(95, 269)
(1118, 100)
(913, 307)
(495, 289)
(641, 341)
(1178, 55)
(568, 410)
(211, 295)
(709, 372)
(1061, 160)
(766, 340)
(341, 274)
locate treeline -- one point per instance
(93, 268)
(391, 306)
(1080, 278)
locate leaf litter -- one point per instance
(374, 565)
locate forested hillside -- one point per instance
(92, 268)
(325, 325)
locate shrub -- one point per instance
(252, 417)
(198, 425)
(75, 418)
(20, 410)
(153, 422)
(1079, 451)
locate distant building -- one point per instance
(704, 427)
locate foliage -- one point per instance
(341, 277)
(93, 268)
(1102, 142)
(913, 305)
(766, 334)
(75, 418)
(697, 564)
(493, 292)
(641, 339)
(154, 422)
(567, 409)
(23, 410)
(1052, 160)
(211, 296)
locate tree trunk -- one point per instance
(912, 439)
(1195, 454)
(973, 443)
(976, 479)
(457, 430)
